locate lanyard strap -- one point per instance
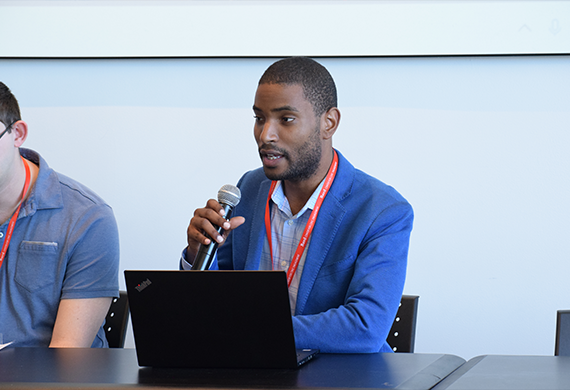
(15, 216)
(310, 224)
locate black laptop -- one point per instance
(212, 319)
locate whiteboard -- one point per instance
(275, 28)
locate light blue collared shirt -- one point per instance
(286, 232)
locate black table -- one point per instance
(24, 368)
(500, 372)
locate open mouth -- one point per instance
(270, 158)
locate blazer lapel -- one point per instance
(325, 230)
(257, 234)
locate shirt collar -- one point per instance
(278, 197)
(46, 192)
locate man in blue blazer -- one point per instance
(341, 235)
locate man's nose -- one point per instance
(269, 133)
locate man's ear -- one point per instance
(20, 130)
(329, 122)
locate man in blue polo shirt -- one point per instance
(59, 252)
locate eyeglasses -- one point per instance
(7, 129)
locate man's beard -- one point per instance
(305, 164)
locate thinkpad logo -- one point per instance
(142, 285)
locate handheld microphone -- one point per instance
(228, 196)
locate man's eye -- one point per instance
(287, 119)
(258, 118)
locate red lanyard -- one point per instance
(15, 216)
(310, 224)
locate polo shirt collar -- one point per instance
(46, 193)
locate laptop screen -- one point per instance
(230, 319)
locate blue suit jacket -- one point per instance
(355, 268)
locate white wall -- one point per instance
(478, 145)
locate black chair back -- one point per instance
(402, 336)
(116, 321)
(562, 344)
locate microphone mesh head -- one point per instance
(229, 195)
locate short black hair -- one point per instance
(9, 108)
(317, 83)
